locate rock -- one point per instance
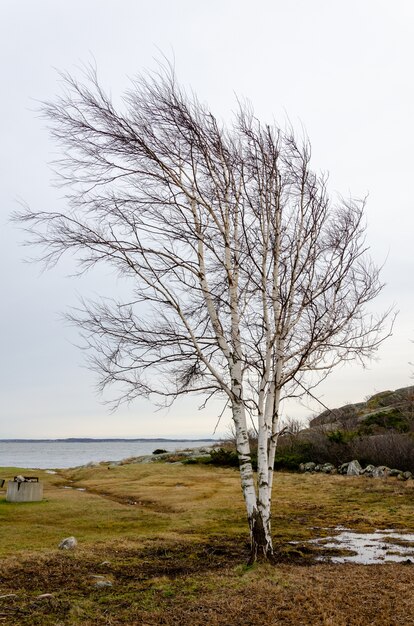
(102, 583)
(400, 476)
(327, 468)
(382, 471)
(309, 467)
(68, 544)
(354, 468)
(19, 479)
(394, 472)
(342, 469)
(407, 475)
(317, 468)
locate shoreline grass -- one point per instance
(172, 539)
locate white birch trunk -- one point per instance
(258, 513)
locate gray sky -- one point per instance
(343, 70)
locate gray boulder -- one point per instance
(69, 543)
(407, 475)
(354, 468)
(327, 468)
(382, 471)
(309, 467)
(394, 472)
(342, 469)
(369, 470)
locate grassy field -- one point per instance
(172, 540)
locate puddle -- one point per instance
(381, 546)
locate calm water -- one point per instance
(58, 454)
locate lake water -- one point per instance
(60, 454)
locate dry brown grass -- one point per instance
(175, 541)
(195, 585)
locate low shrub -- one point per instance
(291, 459)
(197, 460)
(224, 457)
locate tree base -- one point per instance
(260, 540)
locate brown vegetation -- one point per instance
(175, 551)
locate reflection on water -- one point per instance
(380, 546)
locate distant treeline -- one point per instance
(93, 440)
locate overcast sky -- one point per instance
(342, 70)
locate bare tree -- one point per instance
(249, 282)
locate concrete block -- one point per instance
(24, 491)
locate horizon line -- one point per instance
(92, 439)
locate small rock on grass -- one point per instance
(68, 544)
(102, 583)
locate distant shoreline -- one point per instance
(94, 440)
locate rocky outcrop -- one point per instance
(384, 410)
(177, 456)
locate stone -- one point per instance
(327, 468)
(68, 544)
(394, 472)
(368, 471)
(407, 475)
(382, 471)
(102, 583)
(342, 469)
(354, 468)
(309, 467)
